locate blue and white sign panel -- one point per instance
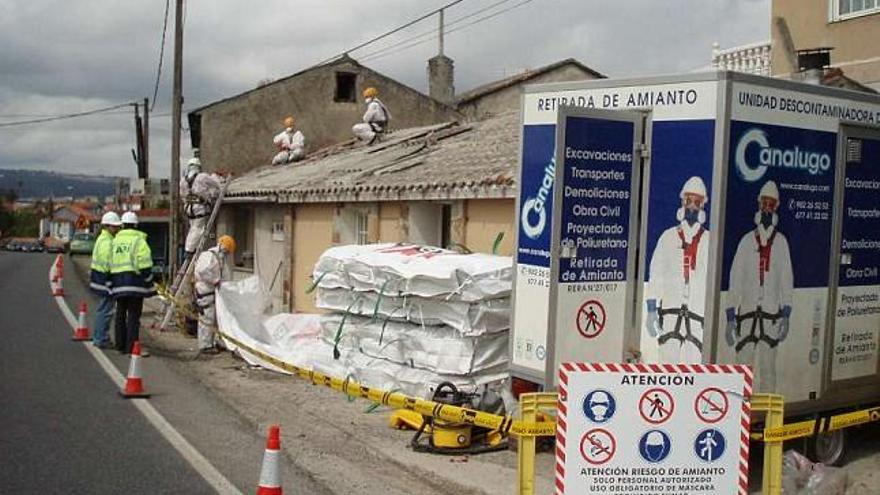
(593, 244)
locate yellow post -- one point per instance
(529, 405)
(774, 406)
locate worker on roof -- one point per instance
(761, 291)
(291, 144)
(375, 119)
(212, 268)
(198, 191)
(676, 290)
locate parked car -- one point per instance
(31, 246)
(82, 243)
(12, 245)
(53, 245)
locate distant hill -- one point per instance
(42, 184)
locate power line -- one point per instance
(161, 56)
(64, 116)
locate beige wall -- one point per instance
(855, 40)
(391, 223)
(269, 251)
(485, 218)
(312, 235)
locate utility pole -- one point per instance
(146, 138)
(176, 103)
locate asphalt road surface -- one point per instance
(64, 428)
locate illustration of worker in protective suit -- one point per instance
(375, 120)
(291, 144)
(761, 287)
(212, 268)
(676, 290)
(198, 191)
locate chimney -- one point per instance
(440, 73)
(812, 63)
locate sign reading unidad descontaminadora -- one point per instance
(653, 429)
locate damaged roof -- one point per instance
(444, 161)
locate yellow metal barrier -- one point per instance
(774, 407)
(530, 404)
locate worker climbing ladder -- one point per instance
(186, 267)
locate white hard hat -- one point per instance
(111, 218)
(129, 217)
(695, 186)
(655, 438)
(769, 190)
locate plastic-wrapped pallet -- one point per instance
(439, 349)
(468, 318)
(413, 270)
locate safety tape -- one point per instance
(396, 400)
(823, 424)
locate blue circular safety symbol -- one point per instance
(599, 406)
(655, 445)
(709, 445)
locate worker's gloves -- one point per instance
(783, 323)
(730, 333)
(652, 322)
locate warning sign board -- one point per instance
(646, 429)
(591, 319)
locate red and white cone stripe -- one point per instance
(81, 332)
(57, 276)
(270, 474)
(134, 383)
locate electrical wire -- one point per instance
(161, 56)
(64, 116)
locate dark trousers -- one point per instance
(128, 322)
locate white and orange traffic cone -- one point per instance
(81, 332)
(270, 474)
(57, 286)
(134, 383)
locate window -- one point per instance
(345, 87)
(353, 224)
(243, 232)
(361, 222)
(846, 9)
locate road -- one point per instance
(65, 429)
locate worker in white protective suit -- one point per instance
(675, 295)
(375, 118)
(212, 268)
(760, 295)
(291, 144)
(198, 191)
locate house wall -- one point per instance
(269, 249)
(391, 222)
(854, 40)
(312, 235)
(236, 134)
(485, 218)
(508, 99)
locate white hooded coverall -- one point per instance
(678, 287)
(291, 145)
(768, 284)
(198, 193)
(211, 269)
(375, 120)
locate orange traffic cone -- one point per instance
(134, 384)
(81, 332)
(58, 288)
(270, 474)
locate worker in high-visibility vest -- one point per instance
(100, 278)
(212, 268)
(131, 276)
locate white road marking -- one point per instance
(202, 466)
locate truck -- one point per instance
(719, 217)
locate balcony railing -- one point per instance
(753, 58)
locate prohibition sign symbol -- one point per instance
(591, 319)
(656, 405)
(711, 405)
(598, 446)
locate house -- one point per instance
(801, 30)
(449, 184)
(68, 219)
(235, 134)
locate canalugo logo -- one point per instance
(812, 162)
(534, 215)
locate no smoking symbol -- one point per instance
(656, 406)
(598, 446)
(591, 319)
(711, 405)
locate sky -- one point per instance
(62, 57)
